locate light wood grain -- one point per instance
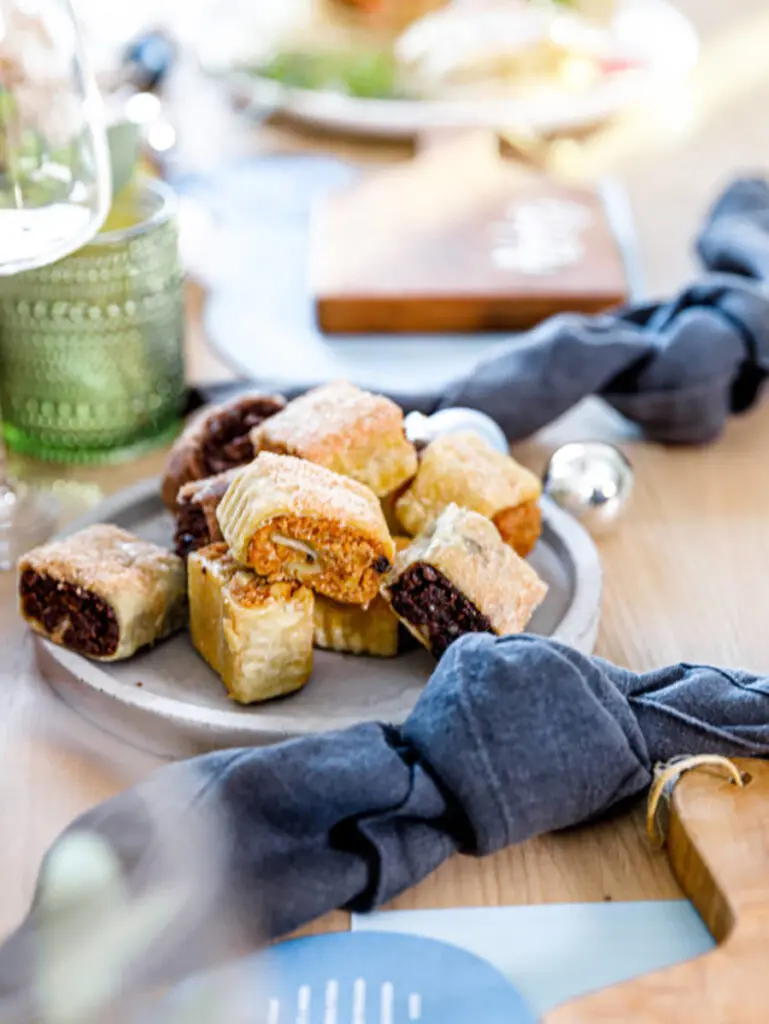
(726, 881)
(429, 265)
(683, 572)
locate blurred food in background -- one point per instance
(424, 49)
(411, 49)
(379, 67)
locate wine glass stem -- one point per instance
(5, 484)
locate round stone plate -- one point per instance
(166, 700)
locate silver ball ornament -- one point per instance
(591, 480)
(421, 430)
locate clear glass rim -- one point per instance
(95, 119)
(165, 211)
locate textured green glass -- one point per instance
(91, 362)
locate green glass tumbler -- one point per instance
(91, 364)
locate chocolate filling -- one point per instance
(227, 442)
(196, 507)
(425, 597)
(80, 619)
(192, 530)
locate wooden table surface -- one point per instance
(682, 572)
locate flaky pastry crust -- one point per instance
(257, 636)
(347, 430)
(467, 550)
(103, 592)
(350, 629)
(464, 469)
(291, 519)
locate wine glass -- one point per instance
(55, 187)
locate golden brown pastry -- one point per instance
(256, 636)
(103, 592)
(216, 440)
(350, 629)
(290, 519)
(350, 431)
(460, 577)
(464, 469)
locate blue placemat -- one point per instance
(557, 952)
(351, 978)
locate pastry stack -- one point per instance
(312, 543)
(312, 524)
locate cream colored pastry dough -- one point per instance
(464, 469)
(347, 430)
(350, 629)
(257, 636)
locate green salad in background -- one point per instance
(443, 51)
(365, 74)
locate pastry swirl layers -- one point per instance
(464, 469)
(350, 629)
(103, 592)
(347, 430)
(460, 577)
(257, 636)
(215, 441)
(288, 519)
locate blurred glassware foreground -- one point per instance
(54, 187)
(91, 365)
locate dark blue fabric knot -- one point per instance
(676, 368)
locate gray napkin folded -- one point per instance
(676, 368)
(511, 738)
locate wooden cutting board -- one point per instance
(718, 843)
(461, 239)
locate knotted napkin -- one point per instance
(511, 738)
(677, 368)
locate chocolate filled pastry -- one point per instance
(464, 469)
(257, 636)
(103, 592)
(195, 512)
(460, 577)
(290, 519)
(217, 439)
(350, 431)
(350, 629)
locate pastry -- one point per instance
(195, 512)
(350, 629)
(464, 469)
(290, 519)
(350, 431)
(103, 592)
(257, 636)
(215, 441)
(460, 577)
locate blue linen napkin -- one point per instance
(676, 368)
(511, 738)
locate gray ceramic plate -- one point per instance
(168, 701)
